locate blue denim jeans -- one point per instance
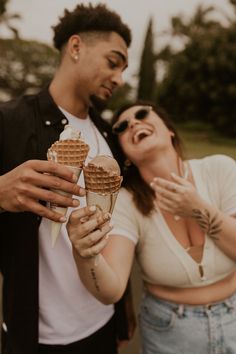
(169, 328)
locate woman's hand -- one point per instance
(103, 265)
(178, 197)
(88, 230)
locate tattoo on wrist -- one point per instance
(210, 224)
(93, 274)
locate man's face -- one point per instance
(100, 68)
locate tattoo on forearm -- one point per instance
(93, 274)
(211, 225)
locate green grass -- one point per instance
(199, 144)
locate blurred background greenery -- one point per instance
(192, 76)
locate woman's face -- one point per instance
(144, 135)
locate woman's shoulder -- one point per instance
(124, 194)
(125, 199)
(215, 169)
(125, 203)
(217, 161)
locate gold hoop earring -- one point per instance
(127, 163)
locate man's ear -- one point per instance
(74, 44)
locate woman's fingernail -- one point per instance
(92, 208)
(107, 216)
(75, 202)
(63, 219)
(82, 192)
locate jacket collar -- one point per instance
(52, 115)
(49, 111)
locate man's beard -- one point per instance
(98, 103)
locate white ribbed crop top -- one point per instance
(161, 257)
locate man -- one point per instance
(46, 309)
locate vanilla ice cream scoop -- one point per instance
(69, 133)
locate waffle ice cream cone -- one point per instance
(102, 182)
(70, 151)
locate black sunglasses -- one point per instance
(140, 114)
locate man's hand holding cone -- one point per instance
(70, 151)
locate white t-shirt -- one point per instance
(67, 311)
(161, 257)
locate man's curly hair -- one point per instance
(89, 18)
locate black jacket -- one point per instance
(28, 126)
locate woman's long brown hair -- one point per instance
(142, 193)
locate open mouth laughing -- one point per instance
(140, 135)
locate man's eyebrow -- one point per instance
(122, 56)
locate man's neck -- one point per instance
(64, 98)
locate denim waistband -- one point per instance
(229, 304)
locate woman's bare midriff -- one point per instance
(208, 294)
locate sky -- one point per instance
(39, 16)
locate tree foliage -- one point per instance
(6, 18)
(200, 80)
(147, 71)
(25, 65)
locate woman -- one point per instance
(178, 217)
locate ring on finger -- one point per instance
(92, 253)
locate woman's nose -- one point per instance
(133, 121)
